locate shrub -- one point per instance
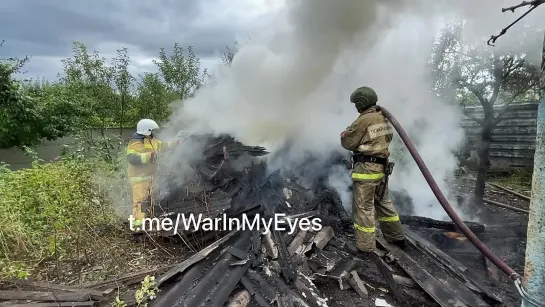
(50, 211)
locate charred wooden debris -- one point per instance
(304, 267)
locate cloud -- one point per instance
(45, 29)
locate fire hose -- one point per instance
(452, 214)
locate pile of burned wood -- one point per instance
(307, 267)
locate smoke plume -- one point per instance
(291, 82)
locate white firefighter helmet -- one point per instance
(145, 126)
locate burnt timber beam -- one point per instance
(193, 259)
(214, 288)
(57, 304)
(223, 290)
(451, 265)
(249, 286)
(284, 259)
(426, 222)
(265, 288)
(436, 289)
(384, 270)
(175, 294)
(51, 296)
(387, 273)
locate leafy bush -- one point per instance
(50, 212)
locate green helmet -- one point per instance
(364, 98)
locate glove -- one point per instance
(153, 157)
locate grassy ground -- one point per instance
(519, 181)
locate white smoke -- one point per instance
(292, 80)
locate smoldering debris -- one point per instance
(305, 267)
(301, 266)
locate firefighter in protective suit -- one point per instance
(368, 138)
(142, 153)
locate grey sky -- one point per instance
(45, 29)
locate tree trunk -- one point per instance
(484, 159)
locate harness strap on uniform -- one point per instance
(360, 158)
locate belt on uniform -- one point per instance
(359, 158)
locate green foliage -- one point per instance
(31, 112)
(58, 211)
(474, 74)
(520, 181)
(153, 98)
(50, 208)
(181, 72)
(228, 55)
(147, 292)
(92, 83)
(27, 117)
(93, 92)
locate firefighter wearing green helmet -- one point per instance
(369, 138)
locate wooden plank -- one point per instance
(389, 277)
(420, 221)
(56, 296)
(437, 290)
(454, 266)
(508, 115)
(297, 242)
(44, 285)
(506, 138)
(506, 122)
(56, 304)
(513, 146)
(505, 130)
(515, 106)
(180, 268)
(95, 294)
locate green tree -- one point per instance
(468, 74)
(153, 98)
(228, 55)
(92, 83)
(29, 112)
(124, 86)
(181, 72)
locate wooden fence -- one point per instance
(513, 139)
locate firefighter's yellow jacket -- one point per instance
(370, 134)
(139, 152)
